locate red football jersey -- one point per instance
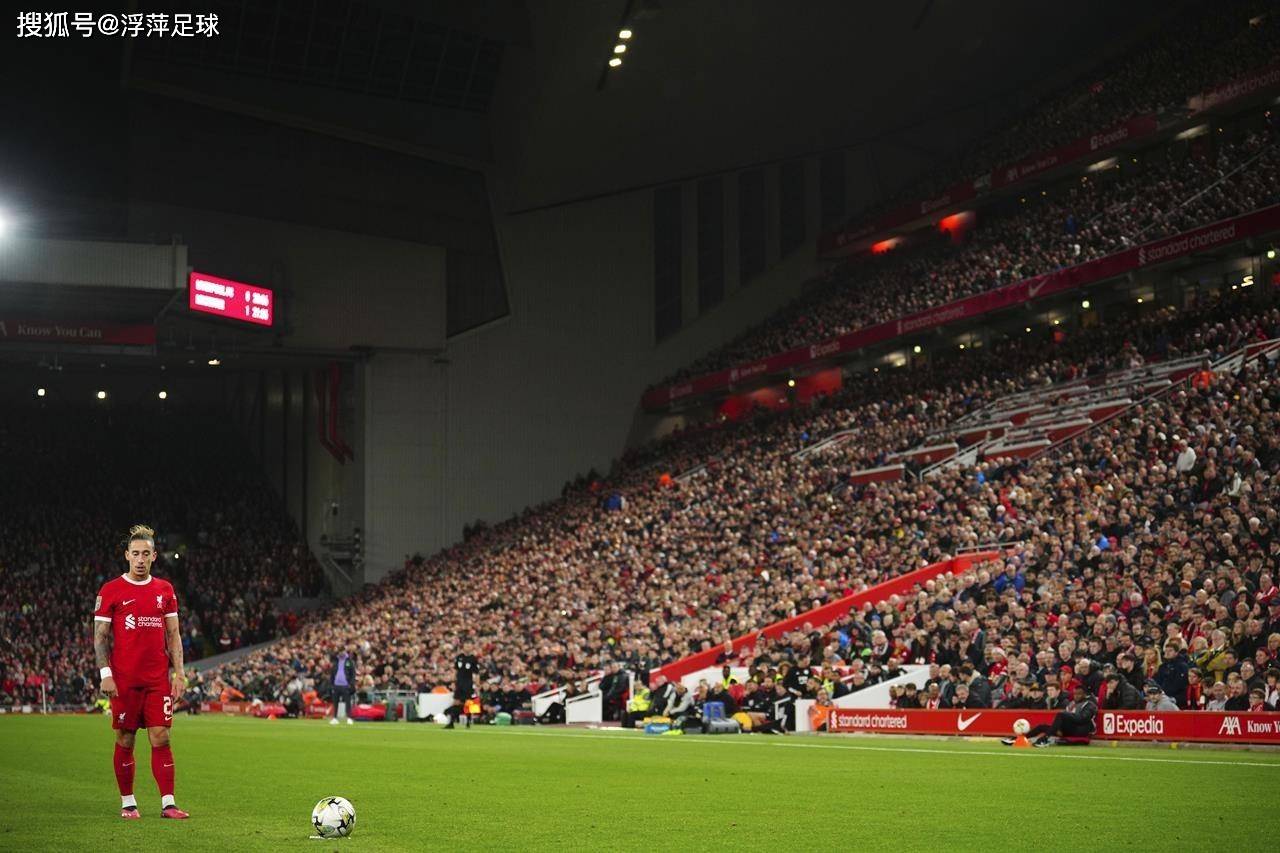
(136, 612)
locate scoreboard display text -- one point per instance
(234, 300)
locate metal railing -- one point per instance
(541, 701)
(1233, 362)
(991, 546)
(696, 469)
(394, 696)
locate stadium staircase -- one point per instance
(697, 469)
(824, 445)
(1028, 423)
(586, 707)
(1033, 422)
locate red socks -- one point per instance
(124, 766)
(162, 769)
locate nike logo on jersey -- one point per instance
(123, 603)
(168, 765)
(962, 723)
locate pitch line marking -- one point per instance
(913, 749)
(636, 738)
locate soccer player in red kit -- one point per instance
(137, 644)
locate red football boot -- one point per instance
(174, 812)
(130, 813)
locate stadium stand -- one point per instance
(1129, 470)
(226, 544)
(639, 568)
(1212, 44)
(1166, 194)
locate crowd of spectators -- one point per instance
(1150, 587)
(74, 481)
(581, 584)
(1145, 557)
(587, 583)
(1153, 587)
(1186, 186)
(1215, 43)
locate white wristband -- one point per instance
(105, 672)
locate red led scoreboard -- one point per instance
(234, 300)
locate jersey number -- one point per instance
(168, 707)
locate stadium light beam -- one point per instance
(624, 34)
(1085, 304)
(615, 62)
(102, 395)
(163, 395)
(40, 392)
(619, 48)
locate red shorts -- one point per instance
(134, 708)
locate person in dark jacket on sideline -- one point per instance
(1089, 676)
(979, 687)
(1237, 697)
(1121, 695)
(662, 695)
(613, 687)
(1172, 675)
(962, 698)
(1036, 700)
(1054, 700)
(1132, 673)
(1076, 721)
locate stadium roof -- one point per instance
(712, 86)
(440, 53)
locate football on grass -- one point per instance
(333, 817)
(1021, 726)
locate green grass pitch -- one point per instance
(250, 785)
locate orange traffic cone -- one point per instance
(1021, 742)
